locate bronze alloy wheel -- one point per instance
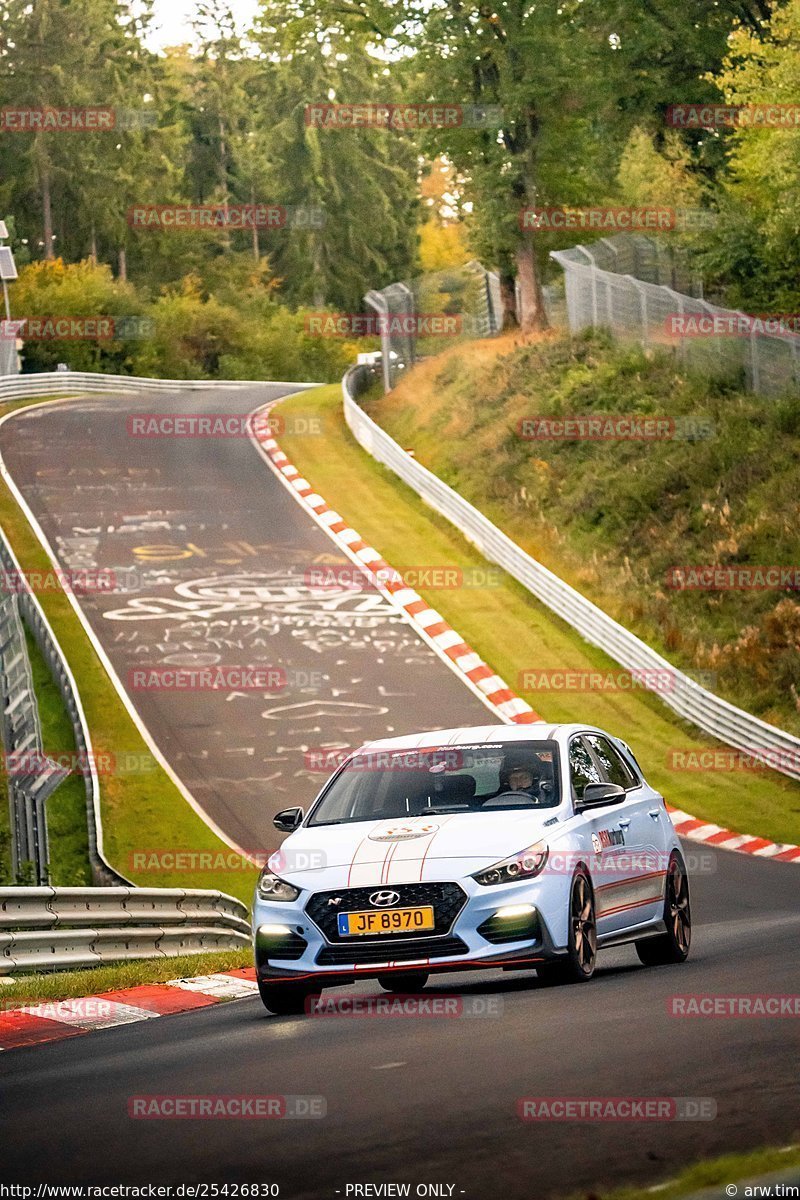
(578, 964)
(672, 946)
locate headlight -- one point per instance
(272, 887)
(524, 865)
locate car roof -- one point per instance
(531, 731)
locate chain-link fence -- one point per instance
(719, 342)
(424, 315)
(665, 263)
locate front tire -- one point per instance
(579, 963)
(286, 999)
(404, 982)
(672, 946)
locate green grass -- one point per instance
(141, 811)
(512, 631)
(712, 1173)
(612, 517)
(64, 985)
(66, 809)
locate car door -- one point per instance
(603, 836)
(636, 894)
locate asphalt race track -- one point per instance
(213, 563)
(412, 1099)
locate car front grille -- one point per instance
(399, 950)
(447, 900)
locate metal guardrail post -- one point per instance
(29, 791)
(378, 302)
(32, 777)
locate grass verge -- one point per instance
(615, 516)
(514, 632)
(712, 1173)
(93, 981)
(68, 837)
(142, 810)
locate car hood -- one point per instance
(406, 850)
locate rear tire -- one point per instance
(672, 946)
(581, 958)
(404, 982)
(286, 999)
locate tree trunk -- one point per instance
(531, 316)
(256, 248)
(47, 208)
(93, 246)
(318, 282)
(508, 294)
(223, 179)
(123, 265)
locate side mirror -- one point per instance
(600, 795)
(288, 820)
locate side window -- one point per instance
(582, 769)
(615, 769)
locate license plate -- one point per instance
(390, 920)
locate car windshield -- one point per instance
(388, 784)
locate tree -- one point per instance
(351, 194)
(81, 55)
(755, 252)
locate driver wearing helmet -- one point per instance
(520, 779)
(524, 777)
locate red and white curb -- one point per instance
(449, 644)
(53, 1020)
(429, 623)
(725, 839)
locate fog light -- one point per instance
(512, 923)
(271, 931)
(515, 910)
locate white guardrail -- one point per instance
(17, 387)
(46, 928)
(685, 696)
